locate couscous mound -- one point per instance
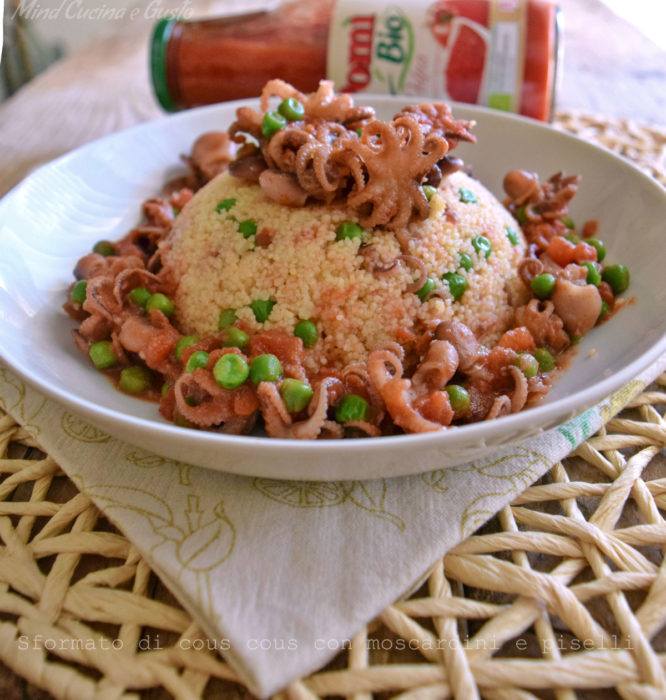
(294, 259)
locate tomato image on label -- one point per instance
(460, 27)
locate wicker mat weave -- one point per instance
(86, 618)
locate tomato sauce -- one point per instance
(303, 41)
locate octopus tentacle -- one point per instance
(282, 150)
(519, 395)
(100, 298)
(438, 294)
(206, 414)
(545, 326)
(331, 430)
(395, 348)
(529, 268)
(309, 429)
(377, 362)
(278, 420)
(95, 327)
(281, 89)
(368, 428)
(357, 372)
(438, 366)
(420, 267)
(148, 279)
(462, 339)
(396, 395)
(276, 417)
(501, 407)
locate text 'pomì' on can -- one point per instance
(499, 53)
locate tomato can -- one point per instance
(499, 53)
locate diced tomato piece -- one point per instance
(435, 407)
(159, 348)
(584, 252)
(518, 339)
(561, 251)
(245, 401)
(168, 404)
(590, 228)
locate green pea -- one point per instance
(482, 246)
(261, 308)
(359, 132)
(604, 310)
(465, 261)
(512, 236)
(265, 368)
(543, 285)
(78, 293)
(231, 370)
(467, 196)
(348, 230)
(165, 388)
(183, 343)
(352, 408)
(521, 215)
(295, 394)
(134, 380)
(458, 398)
(593, 274)
(291, 109)
(236, 338)
(225, 205)
(272, 123)
(428, 286)
(247, 228)
(161, 302)
(617, 276)
(457, 284)
(227, 318)
(545, 359)
(140, 296)
(599, 246)
(104, 248)
(307, 332)
(197, 360)
(572, 238)
(429, 191)
(528, 365)
(568, 222)
(103, 355)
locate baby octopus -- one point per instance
(322, 146)
(419, 404)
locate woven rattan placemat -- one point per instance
(88, 619)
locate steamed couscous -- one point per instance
(320, 273)
(297, 261)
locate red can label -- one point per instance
(465, 50)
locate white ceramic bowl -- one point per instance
(54, 216)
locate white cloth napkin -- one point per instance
(280, 573)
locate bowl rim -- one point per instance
(570, 405)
